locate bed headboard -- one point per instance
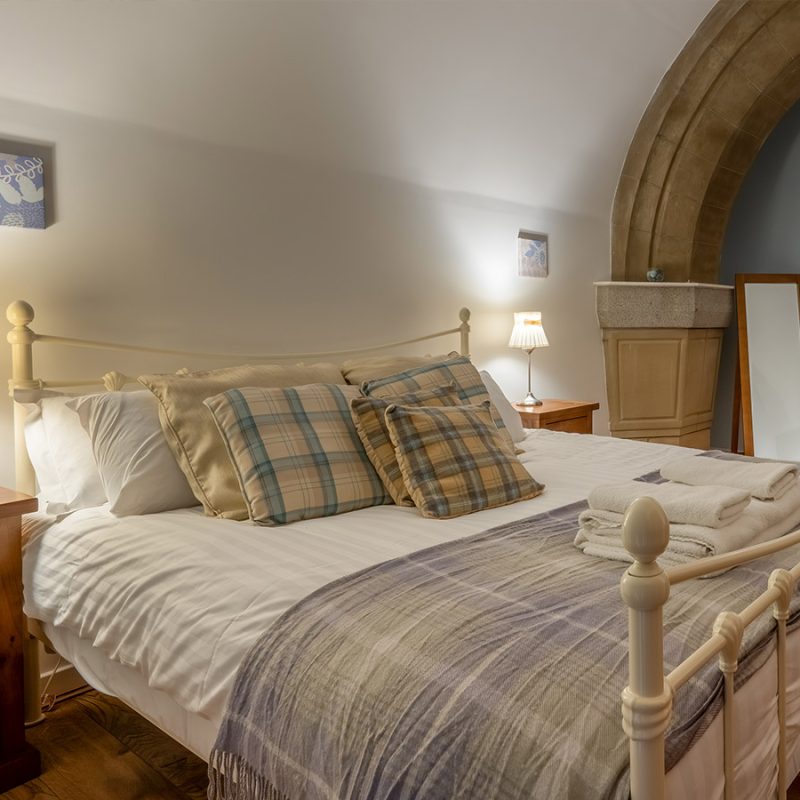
(21, 338)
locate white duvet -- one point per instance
(180, 597)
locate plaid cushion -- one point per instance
(454, 461)
(460, 371)
(370, 368)
(368, 413)
(296, 452)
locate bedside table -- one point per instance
(19, 762)
(570, 416)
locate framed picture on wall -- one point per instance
(532, 255)
(21, 191)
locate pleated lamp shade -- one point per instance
(528, 332)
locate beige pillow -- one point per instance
(192, 434)
(370, 368)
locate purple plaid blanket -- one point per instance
(489, 667)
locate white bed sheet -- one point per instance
(163, 607)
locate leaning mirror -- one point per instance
(768, 310)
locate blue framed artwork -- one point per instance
(532, 261)
(21, 191)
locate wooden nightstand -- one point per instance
(570, 416)
(19, 762)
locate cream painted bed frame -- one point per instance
(21, 338)
(645, 586)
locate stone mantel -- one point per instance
(638, 304)
(662, 344)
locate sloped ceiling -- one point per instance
(532, 102)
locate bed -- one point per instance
(161, 609)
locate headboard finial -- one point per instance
(463, 315)
(19, 313)
(21, 339)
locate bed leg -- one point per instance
(33, 703)
(646, 702)
(784, 580)
(730, 626)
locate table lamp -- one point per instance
(528, 334)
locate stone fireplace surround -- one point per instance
(732, 83)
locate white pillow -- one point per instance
(60, 452)
(137, 468)
(509, 414)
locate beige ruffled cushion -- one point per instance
(192, 434)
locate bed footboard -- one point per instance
(647, 700)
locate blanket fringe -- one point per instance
(230, 777)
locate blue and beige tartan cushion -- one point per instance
(459, 371)
(454, 462)
(296, 452)
(368, 416)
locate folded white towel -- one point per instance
(600, 533)
(765, 480)
(709, 506)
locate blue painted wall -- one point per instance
(763, 235)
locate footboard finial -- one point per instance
(646, 703)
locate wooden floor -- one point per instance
(94, 747)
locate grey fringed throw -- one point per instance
(490, 667)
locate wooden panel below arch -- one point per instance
(662, 383)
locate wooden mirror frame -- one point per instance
(743, 389)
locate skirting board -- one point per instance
(66, 680)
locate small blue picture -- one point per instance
(21, 191)
(532, 254)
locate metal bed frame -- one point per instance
(645, 586)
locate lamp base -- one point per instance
(530, 400)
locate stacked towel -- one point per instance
(709, 506)
(765, 480)
(601, 531)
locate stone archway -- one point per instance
(715, 107)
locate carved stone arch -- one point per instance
(713, 110)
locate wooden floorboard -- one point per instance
(94, 747)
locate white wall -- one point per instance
(364, 178)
